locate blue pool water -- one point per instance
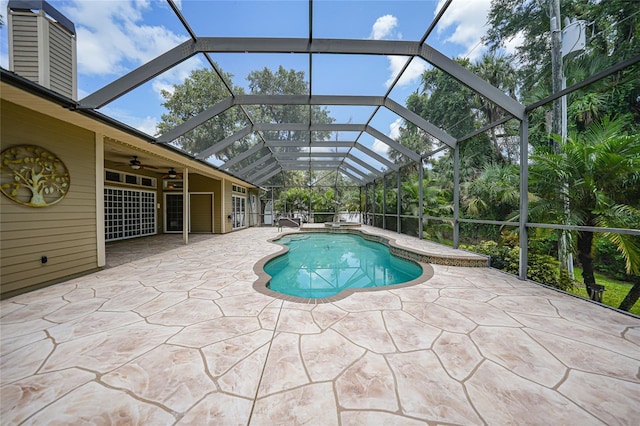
(322, 265)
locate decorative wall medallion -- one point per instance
(32, 176)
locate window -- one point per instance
(129, 179)
(129, 213)
(238, 211)
(172, 184)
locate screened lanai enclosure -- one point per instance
(517, 138)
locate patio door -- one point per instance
(200, 213)
(173, 213)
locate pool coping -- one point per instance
(260, 285)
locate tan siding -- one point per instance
(25, 43)
(61, 60)
(64, 232)
(201, 213)
(217, 208)
(228, 205)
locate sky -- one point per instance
(117, 36)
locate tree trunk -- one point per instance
(585, 240)
(633, 295)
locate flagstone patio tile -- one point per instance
(75, 310)
(502, 397)
(614, 401)
(409, 333)
(284, 369)
(367, 384)
(222, 356)
(241, 379)
(25, 361)
(172, 376)
(427, 392)
(358, 418)
(327, 314)
(458, 354)
(218, 409)
(326, 355)
(440, 317)
(215, 330)
(187, 312)
(313, 404)
(589, 358)
(515, 350)
(96, 404)
(34, 310)
(23, 398)
(96, 322)
(110, 349)
(163, 301)
(297, 321)
(366, 329)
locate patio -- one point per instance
(174, 334)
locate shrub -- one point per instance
(541, 268)
(608, 260)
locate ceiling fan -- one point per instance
(172, 174)
(135, 164)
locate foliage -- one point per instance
(541, 268)
(615, 291)
(200, 91)
(608, 260)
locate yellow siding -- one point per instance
(64, 232)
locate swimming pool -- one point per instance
(322, 265)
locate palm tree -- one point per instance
(602, 168)
(499, 72)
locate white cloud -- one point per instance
(411, 75)
(381, 148)
(394, 128)
(467, 21)
(145, 124)
(384, 27)
(513, 43)
(394, 133)
(112, 38)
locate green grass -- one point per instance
(615, 291)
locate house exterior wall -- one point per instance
(203, 184)
(64, 232)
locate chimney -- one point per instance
(42, 45)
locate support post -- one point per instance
(524, 196)
(420, 200)
(456, 196)
(185, 205)
(100, 223)
(398, 205)
(384, 202)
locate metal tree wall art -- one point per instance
(32, 176)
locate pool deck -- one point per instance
(175, 334)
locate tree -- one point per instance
(499, 72)
(602, 168)
(200, 91)
(285, 82)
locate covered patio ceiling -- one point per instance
(350, 156)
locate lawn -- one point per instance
(615, 291)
